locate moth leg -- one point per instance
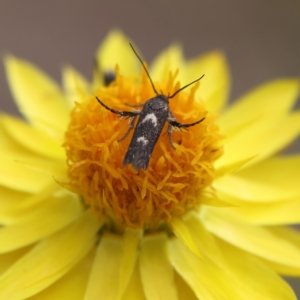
(171, 119)
(170, 135)
(119, 112)
(131, 125)
(178, 125)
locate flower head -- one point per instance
(172, 182)
(205, 220)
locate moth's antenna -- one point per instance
(154, 89)
(185, 87)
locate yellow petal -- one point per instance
(32, 138)
(293, 236)
(38, 96)
(116, 50)
(215, 85)
(75, 85)
(213, 200)
(134, 290)
(12, 152)
(262, 139)
(57, 171)
(130, 245)
(232, 168)
(252, 190)
(10, 148)
(103, 280)
(270, 100)
(28, 180)
(237, 267)
(275, 213)
(8, 259)
(283, 269)
(10, 198)
(184, 291)
(252, 278)
(183, 233)
(239, 276)
(205, 278)
(168, 61)
(72, 285)
(156, 271)
(203, 238)
(38, 223)
(276, 179)
(21, 161)
(265, 242)
(276, 171)
(16, 204)
(49, 260)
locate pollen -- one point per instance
(174, 179)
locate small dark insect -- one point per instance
(152, 117)
(109, 77)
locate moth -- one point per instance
(152, 117)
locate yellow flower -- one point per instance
(205, 221)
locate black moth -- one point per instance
(152, 117)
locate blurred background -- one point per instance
(260, 38)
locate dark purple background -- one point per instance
(261, 38)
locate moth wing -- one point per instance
(138, 158)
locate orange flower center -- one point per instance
(174, 179)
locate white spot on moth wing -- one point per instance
(143, 140)
(151, 117)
